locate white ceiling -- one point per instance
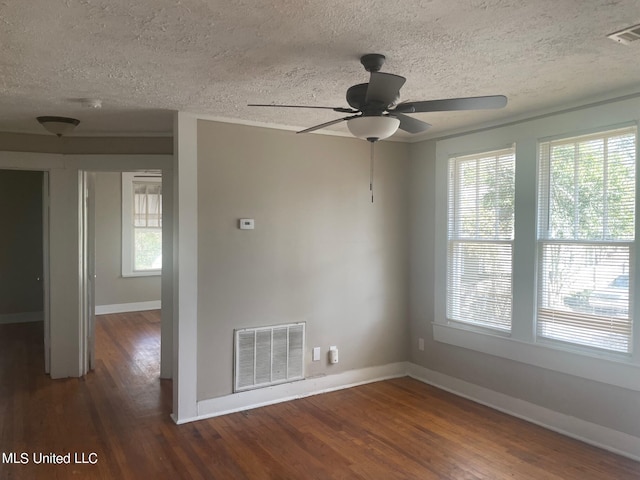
(146, 58)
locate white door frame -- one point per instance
(87, 209)
(45, 272)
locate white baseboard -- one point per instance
(591, 433)
(23, 317)
(247, 400)
(128, 307)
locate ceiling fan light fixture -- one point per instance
(58, 125)
(373, 128)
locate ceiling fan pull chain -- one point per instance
(371, 171)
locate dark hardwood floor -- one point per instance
(396, 429)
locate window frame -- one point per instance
(128, 229)
(522, 345)
(456, 238)
(546, 238)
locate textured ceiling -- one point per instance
(146, 58)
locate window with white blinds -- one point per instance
(480, 239)
(586, 225)
(141, 224)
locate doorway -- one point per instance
(108, 287)
(23, 252)
(127, 252)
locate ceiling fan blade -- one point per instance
(450, 104)
(384, 88)
(326, 124)
(410, 124)
(335, 109)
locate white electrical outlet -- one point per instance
(316, 354)
(421, 344)
(333, 354)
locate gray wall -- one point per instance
(321, 252)
(111, 287)
(21, 288)
(593, 401)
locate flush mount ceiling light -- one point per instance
(58, 125)
(373, 128)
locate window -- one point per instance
(586, 225)
(480, 239)
(141, 224)
(571, 287)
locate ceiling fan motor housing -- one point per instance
(372, 62)
(356, 98)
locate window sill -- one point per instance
(150, 273)
(610, 371)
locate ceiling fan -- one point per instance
(375, 113)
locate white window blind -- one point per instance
(480, 239)
(147, 224)
(147, 204)
(586, 225)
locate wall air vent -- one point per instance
(268, 356)
(626, 36)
